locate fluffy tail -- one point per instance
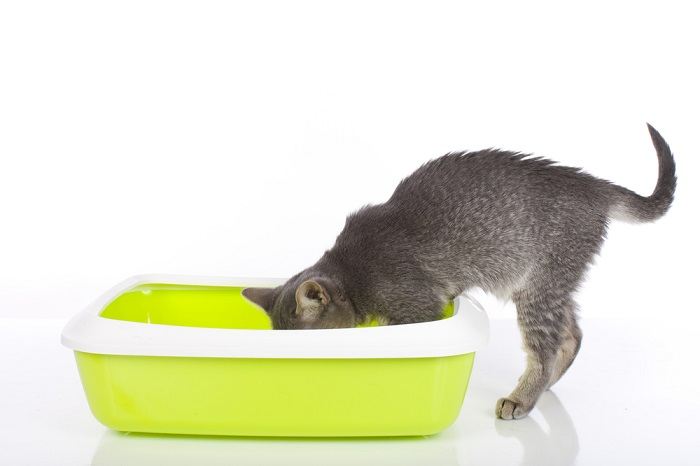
(630, 206)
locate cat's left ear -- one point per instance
(311, 299)
(263, 297)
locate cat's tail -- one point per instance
(630, 206)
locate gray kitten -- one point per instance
(514, 225)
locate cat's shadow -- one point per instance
(556, 445)
(121, 449)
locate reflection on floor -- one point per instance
(120, 449)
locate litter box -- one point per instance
(191, 355)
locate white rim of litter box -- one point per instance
(465, 332)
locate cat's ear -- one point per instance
(311, 299)
(263, 297)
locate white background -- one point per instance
(232, 138)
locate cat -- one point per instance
(512, 224)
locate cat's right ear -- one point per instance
(263, 297)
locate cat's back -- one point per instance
(491, 178)
(465, 171)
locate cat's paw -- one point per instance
(509, 409)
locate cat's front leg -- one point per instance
(530, 386)
(544, 318)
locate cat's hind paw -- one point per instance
(509, 409)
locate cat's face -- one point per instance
(304, 304)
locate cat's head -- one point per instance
(305, 303)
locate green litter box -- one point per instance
(190, 355)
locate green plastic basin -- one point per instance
(245, 396)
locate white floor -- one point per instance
(630, 398)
